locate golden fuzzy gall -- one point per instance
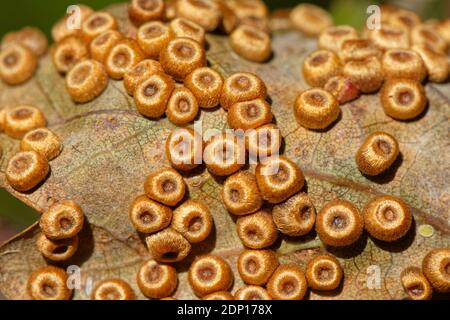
(32, 38)
(240, 194)
(62, 29)
(113, 289)
(224, 154)
(21, 119)
(63, 220)
(43, 141)
(139, 73)
(389, 37)
(68, 53)
(249, 114)
(287, 283)
(103, 43)
(310, 19)
(316, 109)
(168, 246)
(206, 84)
(339, 223)
(149, 216)
(343, 89)
(96, 24)
(278, 178)
(324, 272)
(181, 56)
(252, 293)
(57, 250)
(404, 19)
(403, 63)
(142, 11)
(366, 74)
(48, 283)
(436, 267)
(86, 81)
(182, 107)
(263, 142)
(358, 49)
(166, 186)
(424, 34)
(256, 266)
(208, 274)
(319, 66)
(257, 230)
(183, 28)
(403, 99)
(295, 217)
(26, 170)
(387, 218)
(122, 57)
(2, 119)
(152, 37)
(184, 149)
(220, 295)
(151, 96)
(193, 220)
(332, 38)
(415, 284)
(251, 43)
(241, 87)
(437, 64)
(156, 280)
(17, 64)
(377, 153)
(205, 13)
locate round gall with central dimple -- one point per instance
(324, 272)
(17, 64)
(62, 220)
(149, 216)
(26, 170)
(156, 280)
(241, 87)
(168, 245)
(257, 230)
(48, 283)
(193, 220)
(182, 56)
(377, 153)
(287, 283)
(278, 178)
(256, 266)
(113, 289)
(240, 194)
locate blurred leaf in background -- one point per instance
(44, 13)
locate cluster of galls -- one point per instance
(57, 242)
(167, 47)
(394, 59)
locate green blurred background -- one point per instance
(15, 216)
